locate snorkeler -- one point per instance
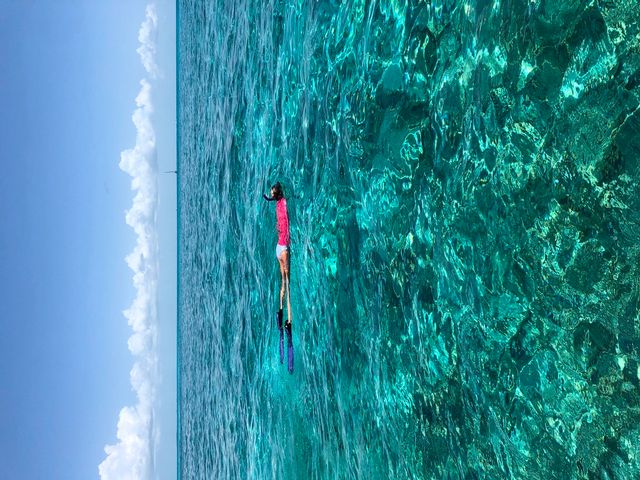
(282, 254)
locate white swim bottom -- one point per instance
(280, 249)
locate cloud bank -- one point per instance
(147, 39)
(132, 457)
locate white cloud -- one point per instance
(147, 39)
(132, 457)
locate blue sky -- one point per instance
(70, 78)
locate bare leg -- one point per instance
(285, 261)
(288, 301)
(282, 285)
(287, 325)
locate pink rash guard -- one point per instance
(283, 222)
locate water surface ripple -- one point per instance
(462, 184)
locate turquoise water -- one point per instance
(462, 183)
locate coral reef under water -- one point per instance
(462, 181)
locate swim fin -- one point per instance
(279, 315)
(287, 327)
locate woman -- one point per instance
(282, 254)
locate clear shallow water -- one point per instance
(462, 191)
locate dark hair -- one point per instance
(278, 194)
